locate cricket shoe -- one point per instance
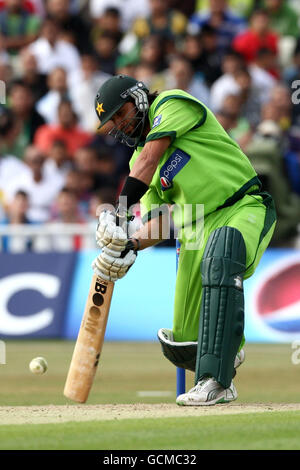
(207, 392)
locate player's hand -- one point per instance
(109, 234)
(112, 268)
(112, 234)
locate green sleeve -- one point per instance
(174, 117)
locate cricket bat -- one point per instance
(89, 341)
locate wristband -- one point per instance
(133, 189)
(130, 244)
(138, 243)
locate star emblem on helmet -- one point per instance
(100, 109)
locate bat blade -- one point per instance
(89, 341)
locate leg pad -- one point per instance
(221, 324)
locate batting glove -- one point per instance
(112, 235)
(109, 234)
(113, 268)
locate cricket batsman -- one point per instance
(182, 157)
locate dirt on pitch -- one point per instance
(65, 413)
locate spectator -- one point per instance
(16, 214)
(283, 18)
(212, 55)
(9, 131)
(280, 97)
(107, 171)
(129, 10)
(51, 51)
(6, 71)
(108, 22)
(41, 189)
(280, 110)
(219, 17)
(226, 84)
(67, 130)
(226, 119)
(73, 181)
(153, 53)
(18, 27)
(104, 198)
(187, 7)
(192, 50)
(83, 185)
(47, 106)
(124, 67)
(264, 62)
(99, 165)
(17, 209)
(265, 151)
(249, 95)
(184, 79)
(10, 166)
(162, 20)
(237, 125)
(269, 112)
(120, 154)
(85, 159)
(258, 36)
(67, 211)
(106, 51)
(31, 76)
(83, 86)
(72, 26)
(242, 8)
(58, 162)
(146, 74)
(21, 102)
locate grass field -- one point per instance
(137, 376)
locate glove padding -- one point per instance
(112, 268)
(110, 235)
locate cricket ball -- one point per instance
(38, 365)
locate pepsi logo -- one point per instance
(165, 182)
(277, 299)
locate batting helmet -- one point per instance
(113, 94)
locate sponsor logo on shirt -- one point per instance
(177, 160)
(156, 121)
(165, 183)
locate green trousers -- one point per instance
(254, 216)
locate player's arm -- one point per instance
(150, 234)
(140, 177)
(146, 164)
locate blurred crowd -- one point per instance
(239, 57)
